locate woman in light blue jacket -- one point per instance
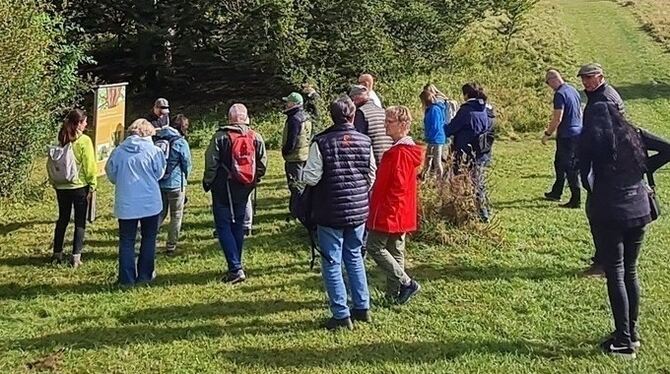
(173, 184)
(135, 167)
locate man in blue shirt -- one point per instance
(566, 121)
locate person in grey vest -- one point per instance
(369, 120)
(295, 142)
(597, 90)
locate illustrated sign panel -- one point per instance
(109, 121)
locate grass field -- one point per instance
(516, 307)
(654, 15)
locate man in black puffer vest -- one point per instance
(341, 167)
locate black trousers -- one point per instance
(294, 177)
(66, 200)
(620, 248)
(565, 166)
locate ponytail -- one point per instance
(68, 131)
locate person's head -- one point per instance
(615, 141)
(366, 80)
(238, 115)
(359, 94)
(592, 76)
(142, 128)
(181, 124)
(161, 107)
(398, 122)
(342, 110)
(75, 122)
(473, 91)
(553, 79)
(430, 95)
(293, 100)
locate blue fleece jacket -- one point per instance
(434, 123)
(135, 167)
(179, 160)
(472, 119)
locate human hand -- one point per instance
(545, 138)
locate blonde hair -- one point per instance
(430, 94)
(401, 113)
(141, 127)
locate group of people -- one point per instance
(601, 147)
(363, 171)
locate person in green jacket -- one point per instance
(77, 193)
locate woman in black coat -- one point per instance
(612, 165)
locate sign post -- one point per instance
(109, 120)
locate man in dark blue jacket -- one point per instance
(295, 142)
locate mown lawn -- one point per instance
(516, 307)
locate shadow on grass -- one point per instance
(528, 203)
(8, 228)
(494, 272)
(537, 176)
(649, 90)
(45, 259)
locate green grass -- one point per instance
(517, 307)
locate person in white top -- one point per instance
(368, 81)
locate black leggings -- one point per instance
(620, 248)
(67, 199)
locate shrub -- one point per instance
(37, 81)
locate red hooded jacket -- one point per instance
(393, 204)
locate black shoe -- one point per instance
(614, 348)
(407, 292)
(634, 339)
(247, 232)
(334, 324)
(571, 205)
(551, 197)
(57, 258)
(594, 270)
(171, 252)
(361, 315)
(235, 277)
(215, 234)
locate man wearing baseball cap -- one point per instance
(597, 90)
(160, 114)
(295, 142)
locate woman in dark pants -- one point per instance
(612, 166)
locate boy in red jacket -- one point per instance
(393, 205)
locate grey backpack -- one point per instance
(61, 164)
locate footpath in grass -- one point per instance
(517, 307)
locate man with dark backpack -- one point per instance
(170, 139)
(235, 161)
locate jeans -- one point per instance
(388, 251)
(478, 175)
(230, 230)
(294, 174)
(620, 251)
(343, 245)
(565, 165)
(433, 163)
(66, 200)
(142, 271)
(173, 203)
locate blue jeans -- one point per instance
(230, 231)
(129, 271)
(345, 245)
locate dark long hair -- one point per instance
(68, 131)
(616, 143)
(473, 90)
(181, 124)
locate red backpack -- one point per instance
(243, 157)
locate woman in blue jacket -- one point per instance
(472, 129)
(173, 184)
(434, 122)
(135, 167)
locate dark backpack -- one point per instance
(302, 209)
(166, 145)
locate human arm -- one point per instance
(314, 166)
(186, 161)
(261, 157)
(657, 144)
(88, 163)
(158, 163)
(293, 128)
(556, 117)
(457, 123)
(111, 167)
(372, 173)
(212, 155)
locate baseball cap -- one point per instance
(357, 90)
(238, 114)
(163, 105)
(590, 69)
(294, 98)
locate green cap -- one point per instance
(590, 69)
(294, 98)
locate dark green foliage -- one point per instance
(37, 81)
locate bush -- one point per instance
(37, 81)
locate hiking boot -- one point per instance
(571, 205)
(57, 258)
(247, 233)
(551, 197)
(335, 324)
(75, 261)
(234, 277)
(615, 348)
(407, 292)
(361, 315)
(594, 270)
